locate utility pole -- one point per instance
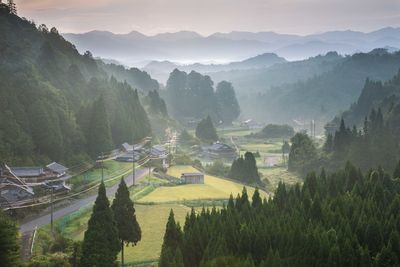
(151, 148)
(133, 164)
(51, 210)
(102, 169)
(314, 128)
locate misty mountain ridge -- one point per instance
(185, 46)
(161, 69)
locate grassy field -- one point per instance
(154, 202)
(213, 188)
(278, 174)
(111, 170)
(152, 218)
(273, 147)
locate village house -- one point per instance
(128, 157)
(159, 151)
(219, 150)
(12, 188)
(17, 183)
(57, 169)
(193, 178)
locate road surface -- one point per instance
(43, 219)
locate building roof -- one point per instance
(27, 171)
(158, 149)
(127, 146)
(57, 168)
(219, 146)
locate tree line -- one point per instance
(192, 96)
(344, 218)
(367, 134)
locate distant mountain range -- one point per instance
(186, 46)
(161, 69)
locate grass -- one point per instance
(213, 188)
(239, 132)
(152, 220)
(272, 147)
(278, 174)
(111, 169)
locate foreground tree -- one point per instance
(9, 248)
(100, 245)
(171, 254)
(124, 213)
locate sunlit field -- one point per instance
(213, 188)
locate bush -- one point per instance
(218, 169)
(275, 131)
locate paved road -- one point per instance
(44, 218)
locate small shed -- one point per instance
(193, 178)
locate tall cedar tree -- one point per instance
(171, 253)
(124, 213)
(245, 169)
(205, 130)
(9, 244)
(99, 135)
(100, 244)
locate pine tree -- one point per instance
(124, 213)
(9, 245)
(172, 242)
(256, 199)
(100, 244)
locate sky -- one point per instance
(209, 16)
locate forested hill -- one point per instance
(322, 96)
(134, 77)
(384, 95)
(57, 104)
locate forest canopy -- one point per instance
(192, 96)
(56, 104)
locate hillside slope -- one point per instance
(57, 104)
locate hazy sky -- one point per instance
(209, 16)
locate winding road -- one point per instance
(44, 217)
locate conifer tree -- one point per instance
(100, 244)
(124, 213)
(9, 245)
(256, 199)
(99, 135)
(172, 242)
(205, 130)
